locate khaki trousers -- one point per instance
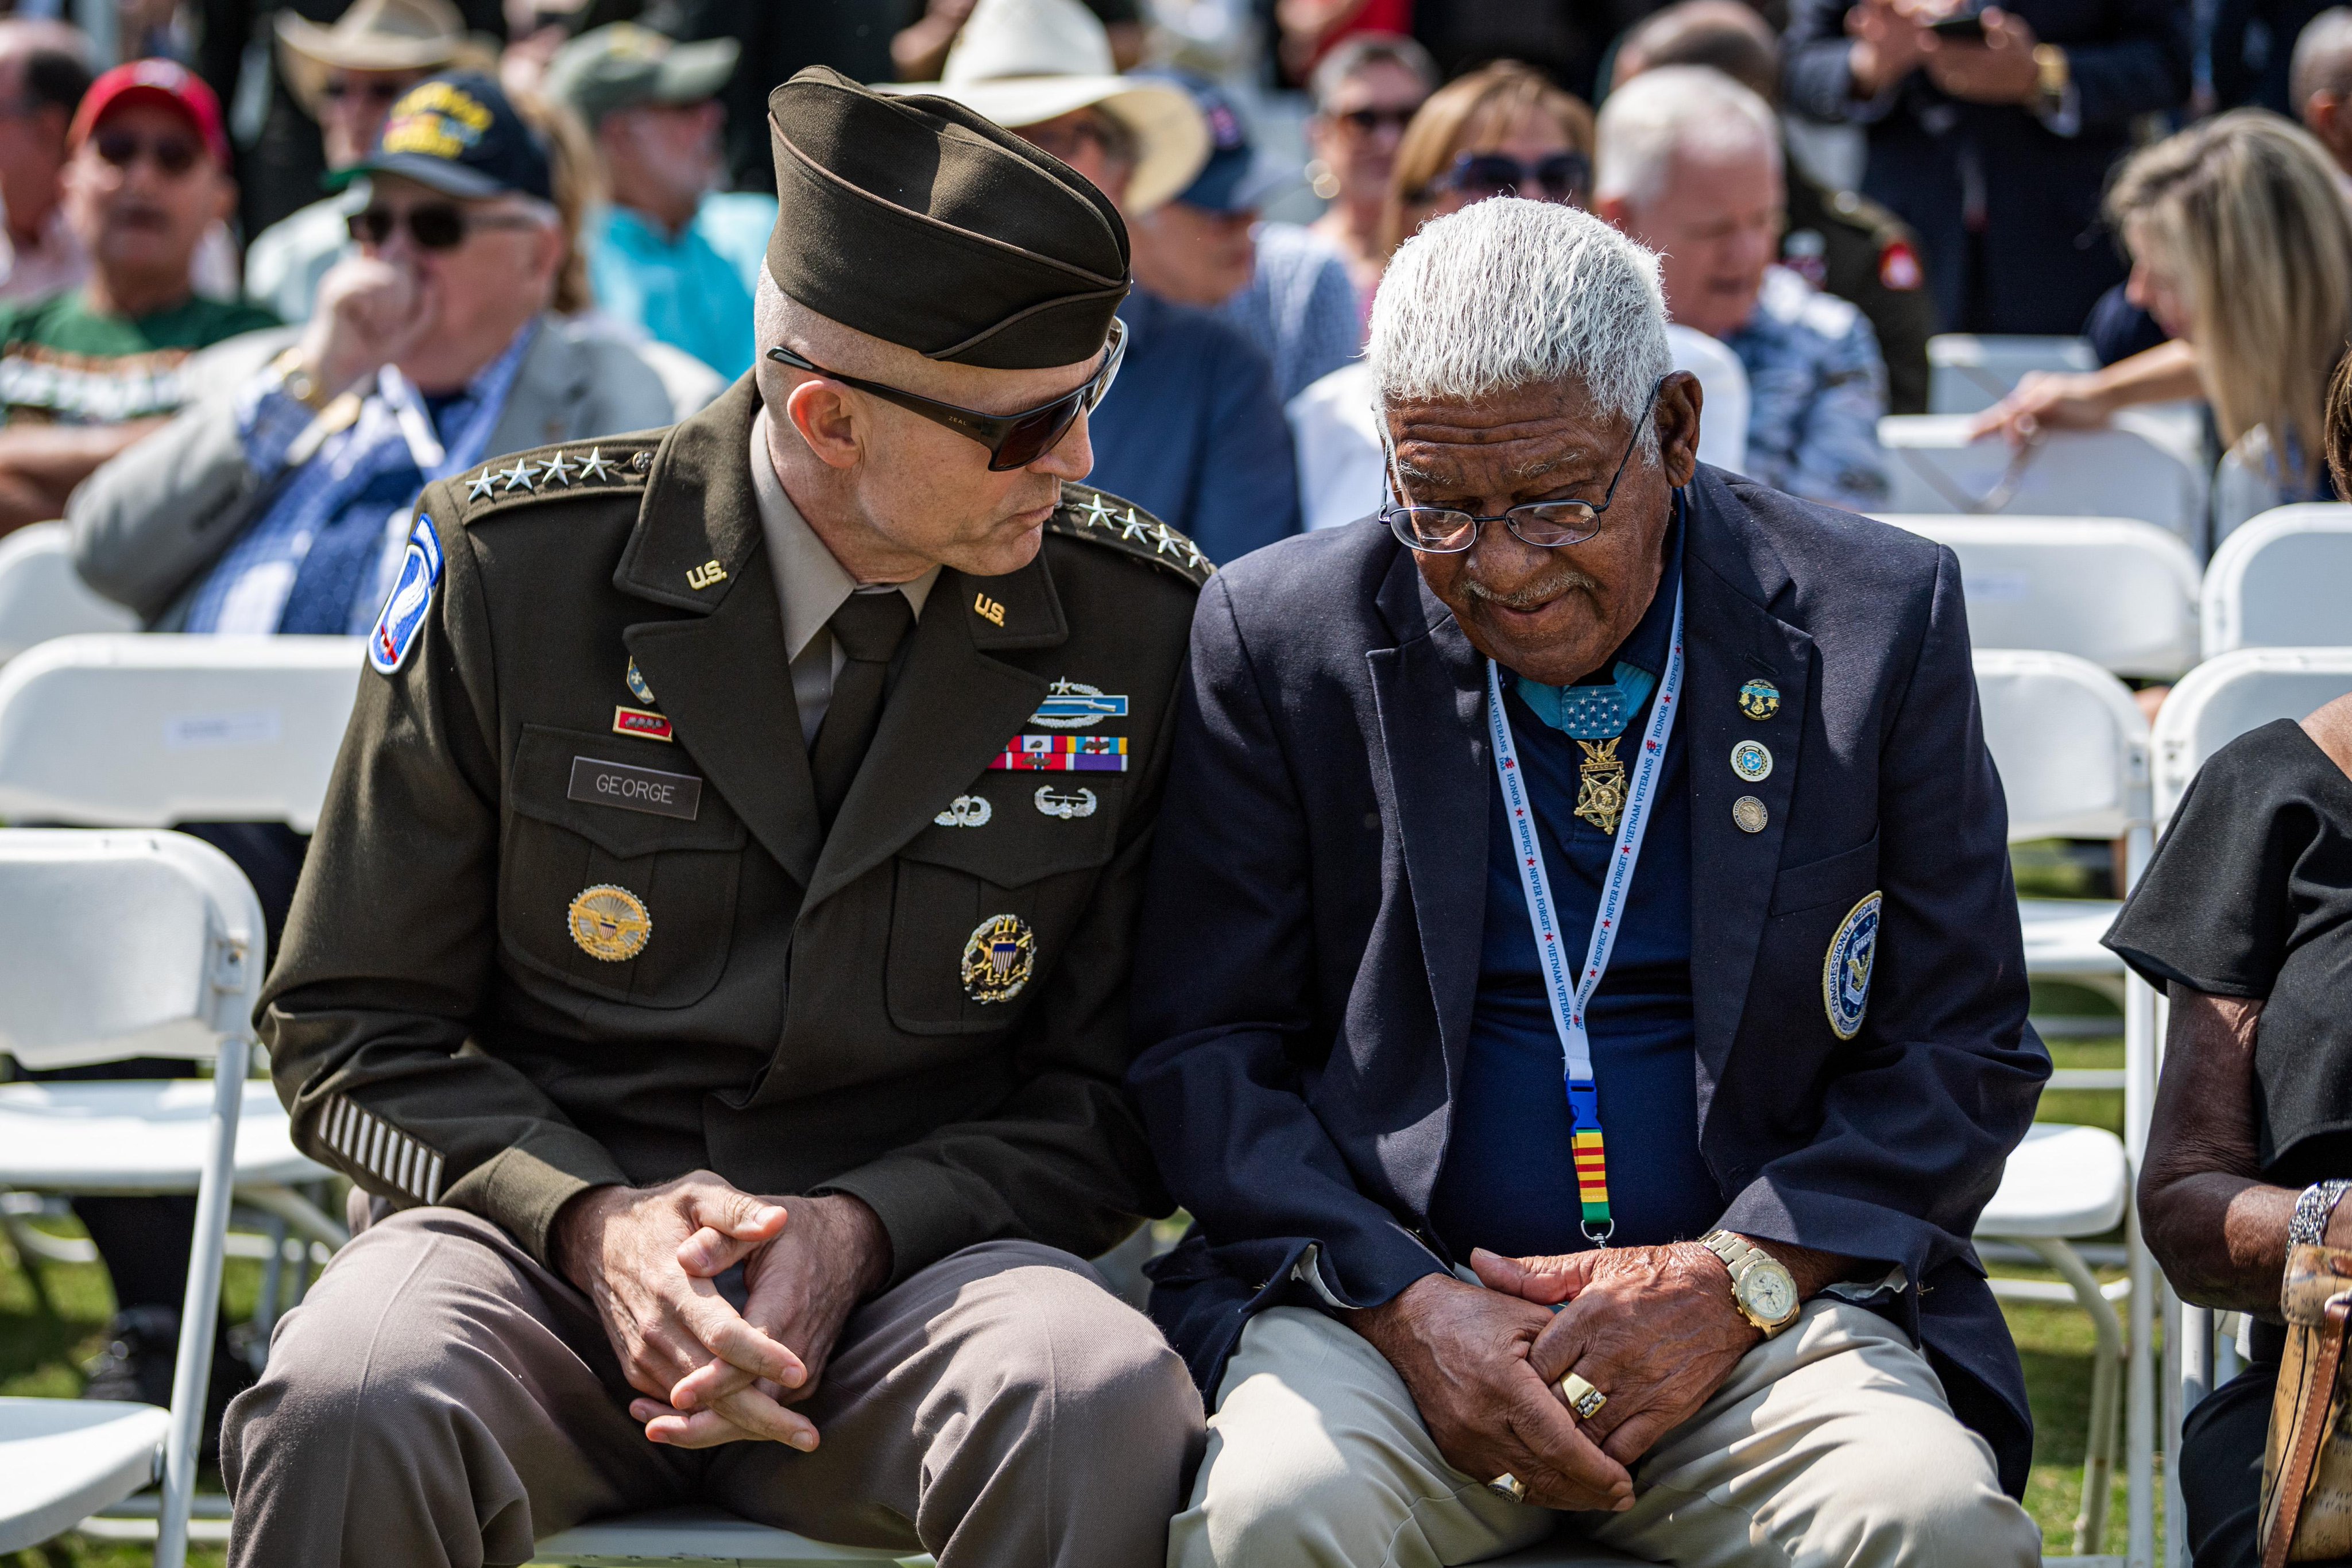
(440, 1400)
(1829, 1445)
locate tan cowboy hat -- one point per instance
(1024, 62)
(376, 35)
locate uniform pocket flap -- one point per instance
(627, 797)
(1842, 878)
(1012, 829)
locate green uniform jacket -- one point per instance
(799, 1015)
(1848, 246)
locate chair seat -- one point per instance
(2061, 1181)
(698, 1535)
(61, 1460)
(2062, 936)
(138, 1136)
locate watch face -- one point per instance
(1769, 1293)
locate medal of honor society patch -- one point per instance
(999, 958)
(1845, 968)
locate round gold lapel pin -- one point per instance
(610, 923)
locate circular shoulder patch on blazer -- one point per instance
(1845, 968)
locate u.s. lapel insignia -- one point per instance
(1845, 968)
(398, 624)
(1601, 787)
(638, 686)
(1065, 806)
(999, 958)
(966, 811)
(1073, 705)
(987, 608)
(709, 574)
(1759, 699)
(609, 923)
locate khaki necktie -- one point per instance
(868, 628)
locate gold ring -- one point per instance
(1510, 1486)
(1581, 1397)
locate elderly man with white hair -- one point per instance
(1561, 1156)
(1689, 166)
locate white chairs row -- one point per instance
(2137, 467)
(40, 596)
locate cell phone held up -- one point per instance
(1963, 26)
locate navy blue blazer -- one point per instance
(1309, 956)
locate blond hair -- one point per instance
(2246, 209)
(1473, 113)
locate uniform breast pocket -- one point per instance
(618, 873)
(987, 898)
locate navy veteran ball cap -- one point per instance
(457, 134)
(916, 221)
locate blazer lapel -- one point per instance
(722, 674)
(950, 713)
(1430, 696)
(549, 384)
(1730, 574)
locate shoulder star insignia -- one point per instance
(516, 477)
(484, 483)
(1135, 527)
(1095, 514)
(1166, 541)
(557, 470)
(593, 465)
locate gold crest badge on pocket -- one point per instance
(610, 922)
(999, 958)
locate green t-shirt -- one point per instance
(64, 363)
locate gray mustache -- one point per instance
(1543, 590)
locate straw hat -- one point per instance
(1023, 62)
(376, 35)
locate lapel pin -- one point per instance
(1749, 814)
(1752, 760)
(1759, 699)
(987, 608)
(966, 811)
(638, 686)
(637, 721)
(704, 576)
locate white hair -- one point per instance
(1509, 293)
(1674, 109)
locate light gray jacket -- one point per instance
(150, 524)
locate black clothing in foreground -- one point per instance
(2250, 894)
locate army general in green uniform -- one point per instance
(712, 958)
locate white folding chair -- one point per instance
(2133, 468)
(2281, 581)
(2119, 592)
(42, 597)
(2232, 693)
(123, 944)
(1969, 372)
(2073, 751)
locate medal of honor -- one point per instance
(1601, 788)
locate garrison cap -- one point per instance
(916, 221)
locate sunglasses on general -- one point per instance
(1560, 177)
(435, 227)
(1546, 524)
(1013, 440)
(175, 155)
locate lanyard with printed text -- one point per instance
(1569, 999)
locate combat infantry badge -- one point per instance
(1601, 791)
(999, 958)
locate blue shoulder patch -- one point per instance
(402, 617)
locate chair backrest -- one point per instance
(124, 944)
(146, 731)
(2127, 470)
(1968, 371)
(42, 597)
(2120, 593)
(2225, 697)
(2282, 580)
(2071, 745)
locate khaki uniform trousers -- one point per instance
(440, 1399)
(1828, 1445)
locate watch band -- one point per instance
(1743, 1256)
(1735, 1251)
(2314, 1206)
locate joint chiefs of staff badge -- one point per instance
(402, 616)
(609, 923)
(1759, 699)
(1845, 968)
(999, 958)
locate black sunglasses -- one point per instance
(1546, 524)
(1013, 440)
(436, 225)
(1558, 177)
(175, 155)
(337, 88)
(1368, 120)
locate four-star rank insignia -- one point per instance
(999, 958)
(1601, 784)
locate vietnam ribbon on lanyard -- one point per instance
(1570, 996)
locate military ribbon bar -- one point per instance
(1063, 754)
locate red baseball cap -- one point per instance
(156, 81)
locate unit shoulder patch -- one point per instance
(1100, 518)
(574, 468)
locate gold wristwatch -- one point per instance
(1761, 1287)
(294, 373)
(2051, 72)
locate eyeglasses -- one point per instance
(1546, 524)
(436, 225)
(1013, 440)
(335, 89)
(1364, 121)
(1558, 177)
(175, 155)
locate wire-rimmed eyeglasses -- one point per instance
(1546, 524)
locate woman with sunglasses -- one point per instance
(1502, 131)
(1366, 92)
